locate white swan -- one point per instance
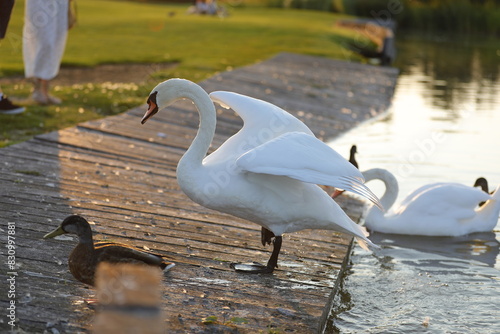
(437, 209)
(266, 173)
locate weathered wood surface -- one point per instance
(121, 176)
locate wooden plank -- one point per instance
(121, 176)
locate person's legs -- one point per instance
(41, 93)
(43, 45)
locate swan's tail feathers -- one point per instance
(366, 244)
(496, 195)
(362, 239)
(354, 184)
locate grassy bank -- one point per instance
(132, 32)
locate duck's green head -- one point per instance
(481, 182)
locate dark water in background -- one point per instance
(444, 126)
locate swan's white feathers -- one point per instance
(354, 185)
(260, 115)
(446, 203)
(457, 200)
(267, 172)
(305, 158)
(262, 121)
(496, 194)
(269, 129)
(366, 244)
(437, 209)
(298, 152)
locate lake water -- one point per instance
(444, 125)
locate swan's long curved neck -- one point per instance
(391, 185)
(201, 143)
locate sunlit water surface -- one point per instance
(444, 126)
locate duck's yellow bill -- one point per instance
(55, 233)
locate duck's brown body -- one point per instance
(84, 259)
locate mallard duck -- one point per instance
(352, 160)
(84, 259)
(352, 156)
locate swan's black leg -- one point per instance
(273, 260)
(257, 268)
(266, 236)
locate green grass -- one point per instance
(135, 32)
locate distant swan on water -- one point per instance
(437, 209)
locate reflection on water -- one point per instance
(453, 74)
(443, 127)
(403, 290)
(480, 247)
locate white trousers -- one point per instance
(44, 37)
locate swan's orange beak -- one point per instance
(152, 108)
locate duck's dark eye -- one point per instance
(70, 228)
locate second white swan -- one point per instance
(437, 209)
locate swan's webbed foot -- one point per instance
(251, 268)
(257, 268)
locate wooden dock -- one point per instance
(121, 176)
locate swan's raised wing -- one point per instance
(304, 157)
(260, 115)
